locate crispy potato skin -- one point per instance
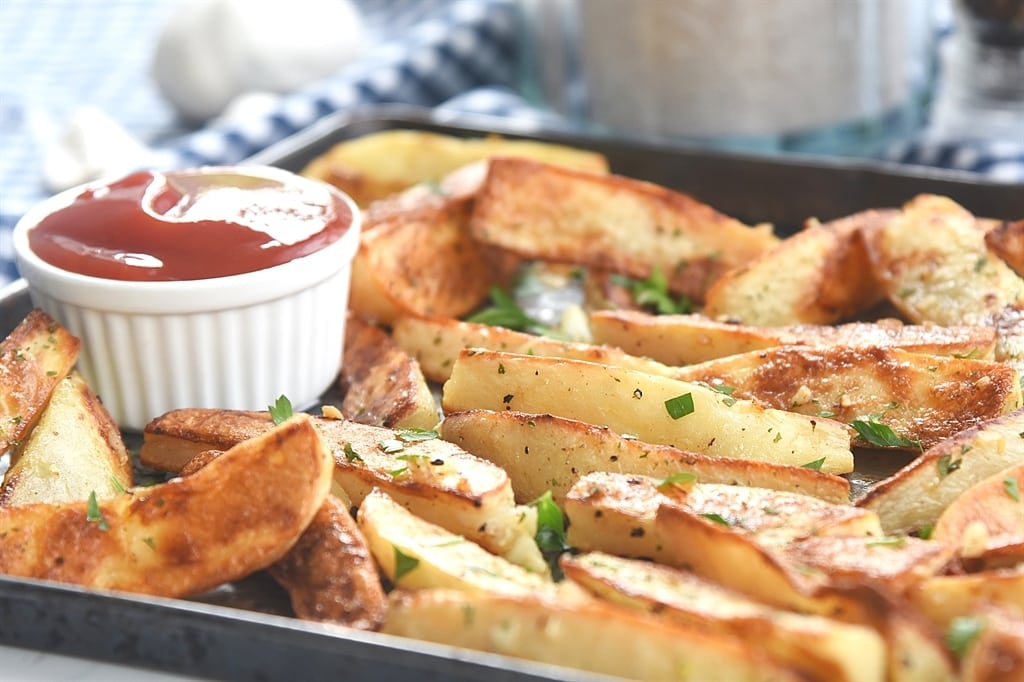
(685, 339)
(422, 261)
(184, 536)
(820, 275)
(329, 573)
(923, 398)
(34, 357)
(383, 385)
(611, 222)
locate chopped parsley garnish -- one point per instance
(118, 486)
(680, 479)
(653, 293)
(550, 536)
(680, 406)
(93, 513)
(351, 454)
(404, 564)
(1011, 488)
(411, 435)
(281, 410)
(717, 518)
(962, 631)
(505, 312)
(947, 465)
(816, 464)
(881, 435)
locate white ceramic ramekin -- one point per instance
(234, 342)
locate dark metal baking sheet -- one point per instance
(205, 638)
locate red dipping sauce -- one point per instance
(191, 224)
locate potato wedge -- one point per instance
(679, 340)
(379, 164)
(1006, 240)
(543, 212)
(923, 399)
(544, 453)
(945, 597)
(420, 262)
(383, 385)
(987, 517)
(914, 497)
(34, 357)
(591, 635)
(436, 343)
(616, 513)
(935, 266)
(74, 451)
(997, 653)
(329, 573)
(655, 409)
(184, 536)
(416, 554)
(821, 648)
(819, 275)
(434, 479)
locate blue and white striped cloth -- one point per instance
(456, 56)
(61, 55)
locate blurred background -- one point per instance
(91, 87)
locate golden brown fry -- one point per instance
(922, 398)
(329, 573)
(434, 479)
(75, 450)
(377, 165)
(436, 342)
(685, 339)
(819, 275)
(34, 357)
(383, 385)
(590, 635)
(238, 514)
(544, 212)
(1006, 240)
(987, 518)
(914, 497)
(543, 453)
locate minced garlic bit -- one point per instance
(331, 412)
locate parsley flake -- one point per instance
(351, 454)
(816, 464)
(947, 465)
(680, 479)
(404, 564)
(962, 632)
(550, 535)
(281, 410)
(1011, 488)
(881, 435)
(391, 445)
(412, 435)
(653, 293)
(93, 514)
(717, 518)
(680, 406)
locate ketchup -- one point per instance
(187, 225)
